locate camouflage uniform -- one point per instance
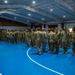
(15, 36)
(22, 33)
(20, 36)
(8, 36)
(56, 40)
(60, 38)
(0, 35)
(65, 39)
(24, 36)
(48, 37)
(68, 39)
(3, 37)
(73, 41)
(51, 41)
(37, 40)
(27, 38)
(33, 38)
(43, 40)
(12, 37)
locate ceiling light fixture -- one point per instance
(70, 29)
(42, 18)
(51, 9)
(29, 14)
(33, 2)
(5, 1)
(64, 16)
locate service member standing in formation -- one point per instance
(51, 39)
(56, 40)
(37, 38)
(27, 38)
(33, 38)
(43, 39)
(65, 39)
(73, 41)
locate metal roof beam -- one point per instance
(12, 13)
(51, 16)
(65, 4)
(42, 13)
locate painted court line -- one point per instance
(41, 64)
(0, 74)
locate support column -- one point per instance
(59, 26)
(62, 25)
(46, 27)
(42, 26)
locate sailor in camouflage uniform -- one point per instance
(33, 38)
(56, 40)
(27, 38)
(43, 39)
(37, 40)
(51, 40)
(65, 38)
(73, 41)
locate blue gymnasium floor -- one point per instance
(16, 59)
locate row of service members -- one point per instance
(37, 38)
(55, 39)
(14, 36)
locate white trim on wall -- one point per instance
(14, 27)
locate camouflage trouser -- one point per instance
(8, 39)
(57, 47)
(51, 46)
(15, 39)
(27, 42)
(4, 39)
(32, 42)
(23, 39)
(60, 43)
(73, 48)
(12, 40)
(68, 44)
(43, 45)
(64, 44)
(0, 38)
(38, 46)
(20, 39)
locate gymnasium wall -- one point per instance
(12, 25)
(69, 25)
(59, 26)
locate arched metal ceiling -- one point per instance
(41, 11)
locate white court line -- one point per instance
(0, 74)
(41, 64)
